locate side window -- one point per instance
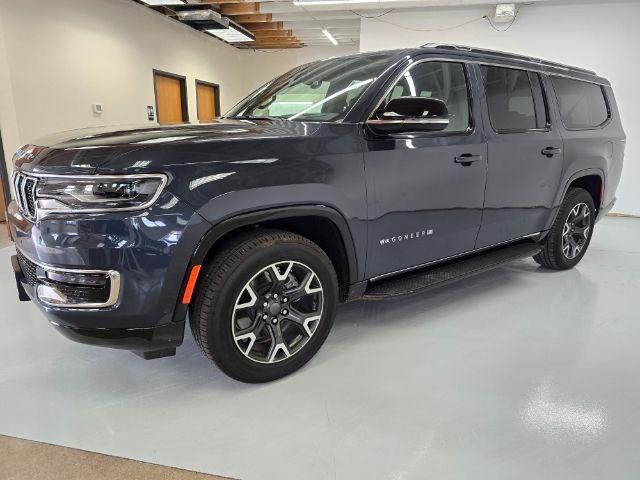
(582, 105)
(445, 81)
(511, 99)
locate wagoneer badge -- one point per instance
(406, 236)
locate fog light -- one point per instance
(77, 278)
(51, 295)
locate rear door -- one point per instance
(525, 155)
(424, 205)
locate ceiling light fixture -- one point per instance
(234, 34)
(198, 15)
(156, 3)
(331, 38)
(203, 19)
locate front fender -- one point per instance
(257, 216)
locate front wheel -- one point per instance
(265, 306)
(570, 235)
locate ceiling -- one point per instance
(279, 24)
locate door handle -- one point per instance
(551, 151)
(467, 159)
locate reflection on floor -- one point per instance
(518, 373)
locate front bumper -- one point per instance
(145, 256)
(147, 342)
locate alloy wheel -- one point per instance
(277, 312)
(575, 233)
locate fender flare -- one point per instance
(576, 175)
(222, 228)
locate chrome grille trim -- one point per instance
(24, 189)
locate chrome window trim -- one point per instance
(536, 70)
(163, 179)
(114, 285)
(467, 61)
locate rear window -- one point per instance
(582, 104)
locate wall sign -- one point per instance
(151, 115)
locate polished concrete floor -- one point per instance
(519, 373)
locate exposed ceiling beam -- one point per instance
(253, 18)
(256, 27)
(240, 8)
(272, 33)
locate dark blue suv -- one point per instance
(368, 176)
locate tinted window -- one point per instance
(445, 81)
(510, 99)
(582, 104)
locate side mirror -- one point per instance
(411, 114)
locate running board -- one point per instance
(459, 269)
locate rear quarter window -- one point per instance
(582, 104)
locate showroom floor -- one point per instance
(519, 373)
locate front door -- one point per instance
(525, 155)
(424, 205)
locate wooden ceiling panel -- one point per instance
(253, 18)
(257, 27)
(240, 8)
(272, 33)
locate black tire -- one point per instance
(553, 256)
(225, 280)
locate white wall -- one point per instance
(271, 64)
(59, 57)
(603, 37)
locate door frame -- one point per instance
(216, 91)
(183, 93)
(4, 175)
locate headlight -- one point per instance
(97, 193)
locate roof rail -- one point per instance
(508, 56)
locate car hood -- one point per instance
(86, 150)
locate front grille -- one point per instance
(28, 269)
(24, 188)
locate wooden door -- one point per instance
(170, 99)
(206, 102)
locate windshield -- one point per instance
(321, 91)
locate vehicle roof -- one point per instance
(494, 57)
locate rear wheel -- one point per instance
(570, 235)
(265, 306)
